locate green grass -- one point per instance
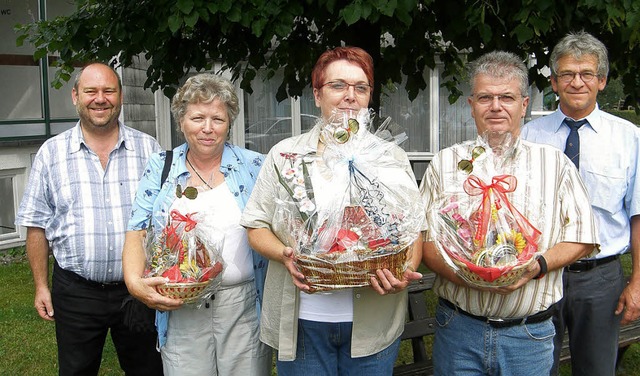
(28, 346)
(27, 343)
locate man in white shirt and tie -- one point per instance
(605, 149)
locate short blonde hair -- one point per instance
(204, 88)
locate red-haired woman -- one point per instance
(344, 331)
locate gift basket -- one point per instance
(476, 228)
(188, 253)
(352, 210)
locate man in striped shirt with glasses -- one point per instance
(504, 330)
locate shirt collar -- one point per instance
(77, 138)
(230, 160)
(593, 118)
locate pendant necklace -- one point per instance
(198, 175)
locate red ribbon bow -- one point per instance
(190, 223)
(500, 186)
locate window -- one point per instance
(8, 213)
(456, 123)
(412, 116)
(430, 121)
(30, 106)
(266, 122)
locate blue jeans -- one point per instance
(324, 349)
(468, 346)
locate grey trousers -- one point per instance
(587, 312)
(221, 339)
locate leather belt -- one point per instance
(506, 322)
(87, 282)
(586, 265)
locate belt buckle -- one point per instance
(573, 268)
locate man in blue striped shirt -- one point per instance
(77, 203)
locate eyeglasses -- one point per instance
(466, 165)
(504, 99)
(566, 77)
(340, 87)
(190, 192)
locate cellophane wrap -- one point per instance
(370, 214)
(480, 233)
(187, 252)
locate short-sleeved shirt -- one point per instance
(549, 189)
(609, 166)
(82, 206)
(278, 327)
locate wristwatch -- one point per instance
(543, 267)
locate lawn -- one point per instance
(28, 347)
(27, 343)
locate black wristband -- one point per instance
(543, 267)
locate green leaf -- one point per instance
(192, 18)
(204, 15)
(20, 40)
(175, 21)
(541, 25)
(388, 8)
(282, 29)
(485, 32)
(523, 33)
(257, 26)
(213, 7)
(404, 17)
(351, 14)
(185, 6)
(331, 5)
(39, 54)
(366, 11)
(235, 14)
(225, 5)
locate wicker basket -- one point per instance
(188, 292)
(332, 271)
(509, 276)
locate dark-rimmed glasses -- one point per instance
(566, 77)
(466, 165)
(339, 87)
(190, 192)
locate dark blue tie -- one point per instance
(572, 148)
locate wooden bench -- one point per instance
(422, 324)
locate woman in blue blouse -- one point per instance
(220, 337)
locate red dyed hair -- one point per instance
(354, 55)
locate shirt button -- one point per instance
(357, 296)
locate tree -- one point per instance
(403, 36)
